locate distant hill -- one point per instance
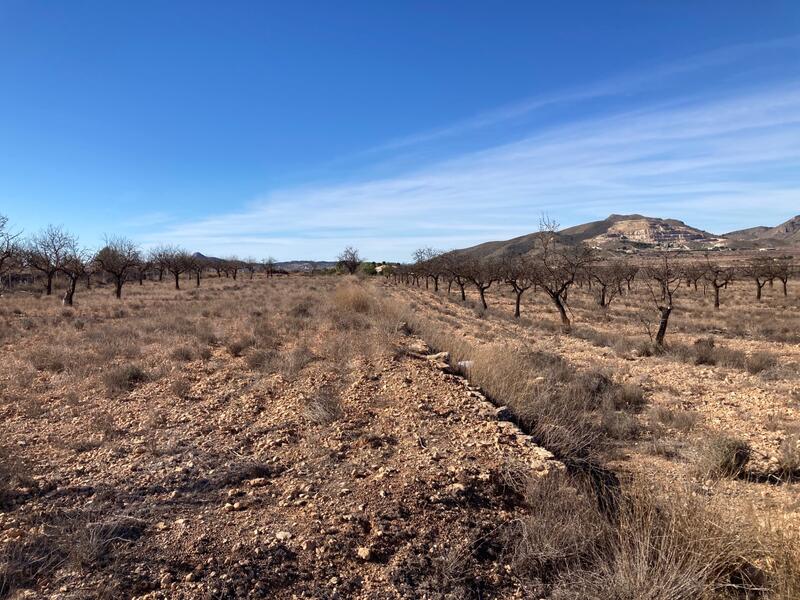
(787, 232)
(616, 232)
(289, 265)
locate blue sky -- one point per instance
(292, 129)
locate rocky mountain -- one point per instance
(616, 232)
(638, 230)
(788, 232)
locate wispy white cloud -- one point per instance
(721, 161)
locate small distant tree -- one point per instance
(782, 270)
(268, 264)
(557, 266)
(481, 273)
(760, 271)
(518, 272)
(426, 261)
(46, 251)
(118, 258)
(609, 278)
(349, 259)
(8, 244)
(453, 265)
(250, 265)
(231, 266)
(663, 279)
(718, 277)
(74, 266)
(178, 261)
(157, 257)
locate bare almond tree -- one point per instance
(350, 259)
(609, 278)
(157, 257)
(8, 244)
(518, 272)
(663, 278)
(45, 252)
(783, 269)
(557, 266)
(760, 271)
(481, 273)
(178, 261)
(426, 262)
(74, 266)
(718, 276)
(268, 264)
(118, 258)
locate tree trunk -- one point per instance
(49, 286)
(88, 281)
(566, 326)
(662, 325)
(716, 296)
(482, 292)
(68, 295)
(758, 289)
(602, 299)
(177, 281)
(436, 284)
(197, 278)
(783, 281)
(517, 302)
(161, 274)
(118, 287)
(463, 294)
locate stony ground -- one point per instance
(762, 408)
(353, 473)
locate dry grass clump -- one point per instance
(183, 353)
(13, 474)
(48, 358)
(261, 358)
(82, 540)
(652, 548)
(666, 549)
(723, 456)
(760, 361)
(323, 408)
(680, 420)
(238, 344)
(181, 387)
(124, 378)
(789, 458)
(705, 351)
(353, 298)
(561, 529)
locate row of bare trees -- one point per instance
(55, 252)
(553, 267)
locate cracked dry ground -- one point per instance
(353, 471)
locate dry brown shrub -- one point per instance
(123, 378)
(723, 456)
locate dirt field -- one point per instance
(295, 438)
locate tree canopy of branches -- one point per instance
(557, 265)
(75, 264)
(349, 259)
(178, 261)
(46, 251)
(718, 276)
(8, 243)
(518, 272)
(117, 258)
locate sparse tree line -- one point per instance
(55, 253)
(552, 268)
